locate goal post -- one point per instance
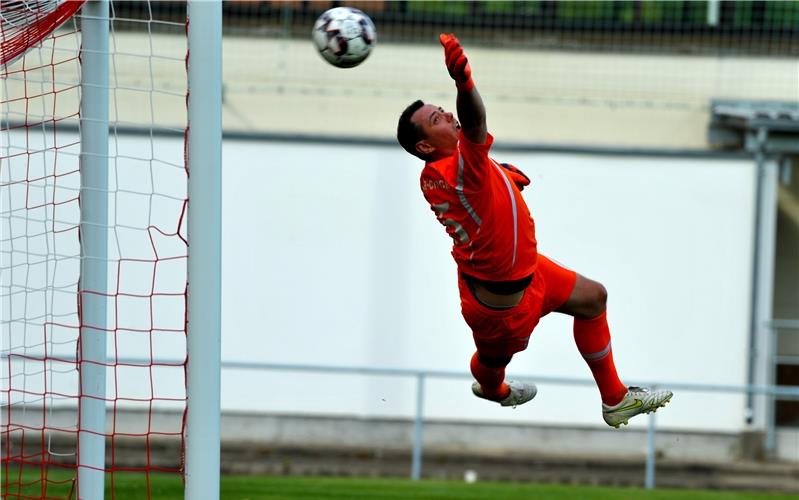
(93, 286)
(110, 248)
(205, 249)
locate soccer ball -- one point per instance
(344, 36)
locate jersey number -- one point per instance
(458, 233)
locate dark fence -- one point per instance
(724, 27)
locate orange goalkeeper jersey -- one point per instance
(480, 204)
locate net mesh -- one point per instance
(40, 262)
(622, 73)
(24, 23)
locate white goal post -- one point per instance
(111, 119)
(205, 250)
(94, 233)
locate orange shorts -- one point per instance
(504, 332)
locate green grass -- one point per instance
(279, 488)
(162, 487)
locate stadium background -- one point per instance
(307, 141)
(331, 256)
(612, 77)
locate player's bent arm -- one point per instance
(472, 115)
(471, 111)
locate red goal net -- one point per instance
(42, 324)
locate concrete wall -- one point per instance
(331, 256)
(326, 433)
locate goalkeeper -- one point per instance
(505, 285)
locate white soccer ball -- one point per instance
(344, 36)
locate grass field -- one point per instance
(312, 488)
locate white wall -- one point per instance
(331, 256)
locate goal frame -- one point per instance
(203, 323)
(205, 250)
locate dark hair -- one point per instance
(408, 133)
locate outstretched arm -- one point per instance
(471, 111)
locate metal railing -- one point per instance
(421, 376)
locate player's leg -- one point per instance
(567, 292)
(587, 304)
(489, 373)
(498, 334)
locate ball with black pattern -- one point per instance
(344, 36)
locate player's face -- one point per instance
(440, 129)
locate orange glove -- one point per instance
(456, 61)
(517, 176)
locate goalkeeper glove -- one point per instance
(456, 61)
(517, 176)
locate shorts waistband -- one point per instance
(500, 287)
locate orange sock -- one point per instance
(491, 379)
(593, 341)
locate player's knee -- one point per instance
(494, 361)
(598, 299)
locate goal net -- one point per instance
(93, 249)
(613, 73)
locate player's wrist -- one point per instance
(465, 86)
